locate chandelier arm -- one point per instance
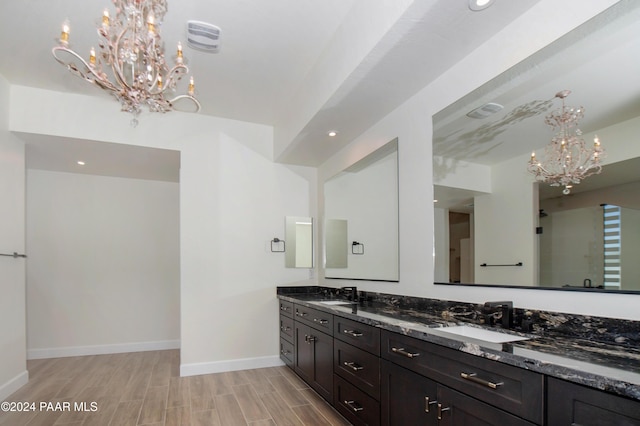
(174, 75)
(191, 98)
(97, 78)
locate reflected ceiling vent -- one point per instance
(485, 110)
(203, 36)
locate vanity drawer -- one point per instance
(286, 308)
(512, 389)
(355, 405)
(314, 318)
(286, 328)
(360, 335)
(286, 352)
(361, 368)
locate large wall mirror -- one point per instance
(493, 224)
(361, 219)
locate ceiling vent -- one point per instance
(203, 36)
(485, 110)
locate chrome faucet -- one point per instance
(507, 312)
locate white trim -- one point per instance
(13, 385)
(102, 349)
(198, 368)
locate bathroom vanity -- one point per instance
(390, 360)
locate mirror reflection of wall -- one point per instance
(480, 163)
(299, 242)
(361, 204)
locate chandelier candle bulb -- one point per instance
(105, 18)
(159, 82)
(92, 56)
(179, 54)
(151, 25)
(64, 35)
(192, 87)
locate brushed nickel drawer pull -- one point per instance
(284, 308)
(352, 333)
(311, 339)
(475, 379)
(427, 403)
(284, 328)
(401, 351)
(283, 352)
(353, 366)
(301, 314)
(353, 405)
(441, 410)
(320, 320)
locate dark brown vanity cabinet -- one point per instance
(313, 347)
(467, 385)
(356, 366)
(286, 333)
(572, 404)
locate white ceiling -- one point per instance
(269, 53)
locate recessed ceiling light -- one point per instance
(332, 133)
(477, 5)
(81, 163)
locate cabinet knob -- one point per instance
(472, 377)
(402, 351)
(353, 366)
(428, 403)
(353, 405)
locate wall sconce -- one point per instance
(277, 245)
(357, 248)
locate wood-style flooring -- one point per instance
(144, 388)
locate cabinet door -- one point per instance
(456, 409)
(322, 346)
(571, 404)
(406, 397)
(314, 359)
(303, 352)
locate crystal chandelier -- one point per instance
(130, 62)
(567, 159)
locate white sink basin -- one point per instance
(482, 334)
(334, 302)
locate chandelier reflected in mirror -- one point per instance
(567, 159)
(130, 61)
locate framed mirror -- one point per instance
(299, 242)
(361, 219)
(493, 224)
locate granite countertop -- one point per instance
(576, 357)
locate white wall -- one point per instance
(104, 264)
(505, 227)
(13, 345)
(233, 200)
(410, 123)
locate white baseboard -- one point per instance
(102, 349)
(199, 368)
(13, 385)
